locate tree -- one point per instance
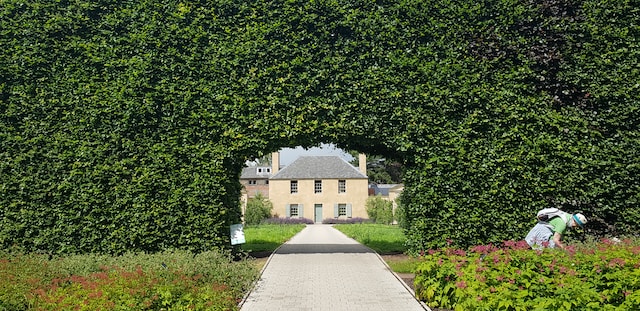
(258, 209)
(379, 210)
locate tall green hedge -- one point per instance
(124, 125)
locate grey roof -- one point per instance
(251, 172)
(383, 189)
(319, 167)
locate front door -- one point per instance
(318, 213)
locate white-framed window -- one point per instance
(294, 211)
(294, 186)
(342, 186)
(342, 210)
(317, 186)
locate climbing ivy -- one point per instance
(125, 125)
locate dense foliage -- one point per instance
(258, 210)
(379, 210)
(124, 125)
(169, 280)
(590, 276)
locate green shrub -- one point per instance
(168, 280)
(124, 125)
(379, 210)
(258, 209)
(589, 276)
(399, 214)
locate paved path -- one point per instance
(321, 269)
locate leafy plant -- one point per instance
(168, 280)
(354, 220)
(258, 209)
(124, 126)
(514, 277)
(379, 210)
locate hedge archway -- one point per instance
(124, 126)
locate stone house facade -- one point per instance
(319, 187)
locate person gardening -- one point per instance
(552, 223)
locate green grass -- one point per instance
(384, 239)
(406, 264)
(266, 238)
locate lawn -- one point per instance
(267, 238)
(384, 239)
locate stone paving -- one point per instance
(321, 269)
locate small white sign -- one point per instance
(237, 234)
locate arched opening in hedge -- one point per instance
(124, 126)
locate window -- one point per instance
(266, 182)
(317, 186)
(293, 210)
(263, 170)
(294, 186)
(252, 182)
(342, 186)
(342, 210)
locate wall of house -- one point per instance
(356, 195)
(261, 186)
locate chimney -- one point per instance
(362, 163)
(275, 162)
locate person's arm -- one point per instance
(557, 237)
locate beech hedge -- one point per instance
(124, 125)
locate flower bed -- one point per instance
(590, 276)
(171, 280)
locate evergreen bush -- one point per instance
(124, 125)
(258, 209)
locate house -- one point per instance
(387, 191)
(255, 179)
(319, 187)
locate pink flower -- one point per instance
(461, 284)
(616, 262)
